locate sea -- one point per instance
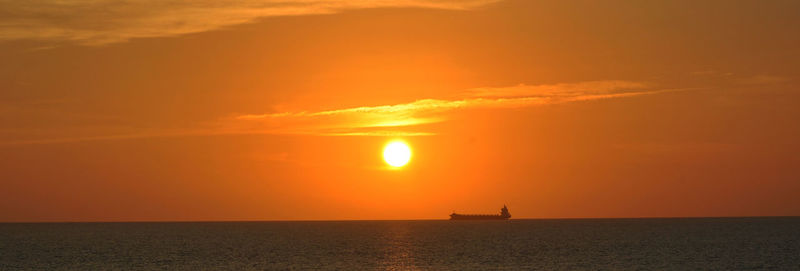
(768, 243)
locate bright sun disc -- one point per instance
(397, 153)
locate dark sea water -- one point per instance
(688, 243)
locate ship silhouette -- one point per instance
(504, 215)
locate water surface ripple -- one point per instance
(669, 243)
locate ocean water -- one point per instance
(661, 244)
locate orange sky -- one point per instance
(275, 110)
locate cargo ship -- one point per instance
(504, 215)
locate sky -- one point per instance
(185, 110)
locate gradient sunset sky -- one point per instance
(173, 110)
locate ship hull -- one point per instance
(504, 215)
(477, 217)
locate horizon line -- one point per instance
(380, 220)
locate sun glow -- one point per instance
(397, 153)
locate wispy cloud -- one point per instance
(405, 119)
(559, 90)
(98, 22)
(385, 119)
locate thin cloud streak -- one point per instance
(563, 89)
(398, 120)
(428, 111)
(99, 22)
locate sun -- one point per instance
(397, 153)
